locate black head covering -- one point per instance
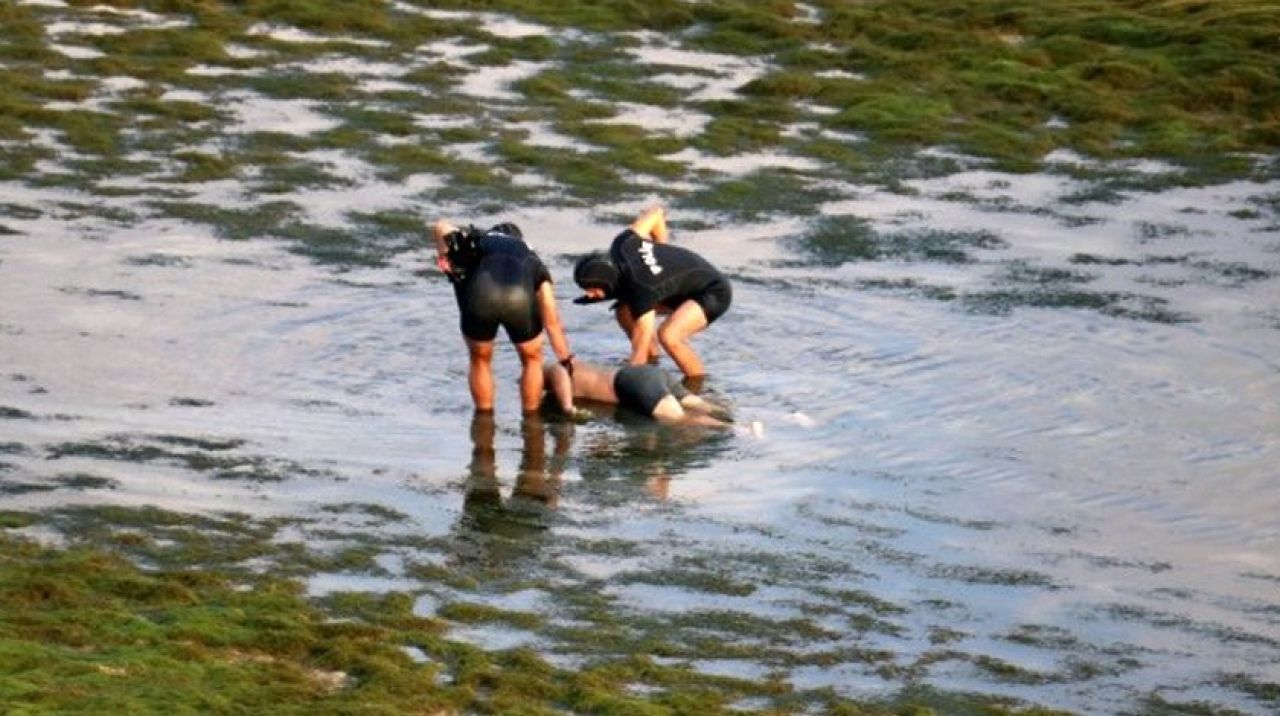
(595, 270)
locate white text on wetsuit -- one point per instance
(646, 253)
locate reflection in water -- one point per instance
(525, 512)
(637, 448)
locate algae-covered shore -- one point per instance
(853, 85)
(204, 181)
(86, 631)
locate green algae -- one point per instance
(705, 581)
(217, 459)
(1002, 577)
(1118, 304)
(471, 613)
(1006, 83)
(985, 77)
(212, 598)
(108, 635)
(203, 167)
(759, 194)
(1264, 691)
(835, 240)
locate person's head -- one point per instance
(596, 275)
(507, 228)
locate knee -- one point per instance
(530, 352)
(668, 336)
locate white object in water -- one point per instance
(802, 420)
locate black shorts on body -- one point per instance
(715, 300)
(501, 290)
(642, 387)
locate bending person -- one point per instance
(499, 281)
(645, 389)
(649, 276)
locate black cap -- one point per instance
(595, 270)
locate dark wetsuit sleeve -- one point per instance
(636, 287)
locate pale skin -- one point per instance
(480, 371)
(594, 382)
(645, 332)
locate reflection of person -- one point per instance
(537, 482)
(643, 452)
(645, 389)
(649, 276)
(499, 281)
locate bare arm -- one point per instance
(561, 385)
(643, 334)
(652, 224)
(551, 322)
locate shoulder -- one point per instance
(491, 242)
(624, 240)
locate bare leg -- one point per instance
(696, 404)
(530, 373)
(480, 375)
(674, 335)
(482, 472)
(531, 481)
(668, 410)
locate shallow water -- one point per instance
(976, 474)
(1047, 487)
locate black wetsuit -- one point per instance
(500, 289)
(652, 275)
(642, 387)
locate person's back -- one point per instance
(500, 282)
(501, 288)
(653, 274)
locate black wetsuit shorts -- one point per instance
(501, 291)
(715, 299)
(642, 387)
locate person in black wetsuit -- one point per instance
(499, 281)
(648, 276)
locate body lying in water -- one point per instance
(645, 389)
